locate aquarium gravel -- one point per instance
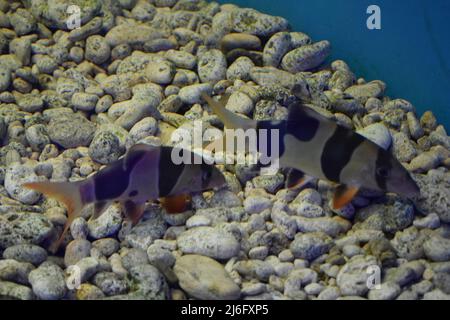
(75, 99)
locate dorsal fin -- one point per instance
(229, 119)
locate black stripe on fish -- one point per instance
(383, 166)
(338, 151)
(169, 173)
(113, 180)
(300, 124)
(269, 126)
(207, 171)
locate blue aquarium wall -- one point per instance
(411, 52)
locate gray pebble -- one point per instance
(110, 283)
(212, 66)
(261, 25)
(70, 130)
(79, 228)
(204, 278)
(402, 147)
(105, 147)
(106, 246)
(30, 103)
(134, 257)
(306, 57)
(160, 72)
(26, 253)
(84, 101)
(76, 250)
(352, 278)
(22, 21)
(310, 245)
(150, 283)
(48, 282)
(208, 241)
(16, 175)
(15, 291)
(107, 224)
(37, 136)
(12, 270)
(275, 49)
(182, 59)
(191, 94)
(437, 248)
(240, 69)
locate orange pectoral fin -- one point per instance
(296, 178)
(175, 204)
(133, 211)
(343, 195)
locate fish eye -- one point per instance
(383, 172)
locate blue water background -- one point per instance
(411, 52)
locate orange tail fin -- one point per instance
(66, 192)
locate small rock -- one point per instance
(275, 49)
(431, 221)
(12, 270)
(151, 284)
(310, 245)
(76, 250)
(70, 130)
(240, 69)
(204, 278)
(16, 175)
(208, 241)
(191, 94)
(437, 248)
(353, 276)
(48, 282)
(363, 92)
(84, 101)
(11, 290)
(106, 246)
(256, 23)
(306, 57)
(107, 224)
(160, 72)
(212, 66)
(134, 257)
(240, 40)
(88, 291)
(402, 148)
(387, 291)
(110, 283)
(26, 253)
(105, 147)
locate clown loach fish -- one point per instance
(144, 173)
(313, 146)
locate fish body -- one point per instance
(315, 146)
(144, 173)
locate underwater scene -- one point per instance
(230, 150)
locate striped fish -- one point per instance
(314, 146)
(144, 173)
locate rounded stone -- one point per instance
(208, 241)
(204, 278)
(306, 57)
(26, 253)
(48, 282)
